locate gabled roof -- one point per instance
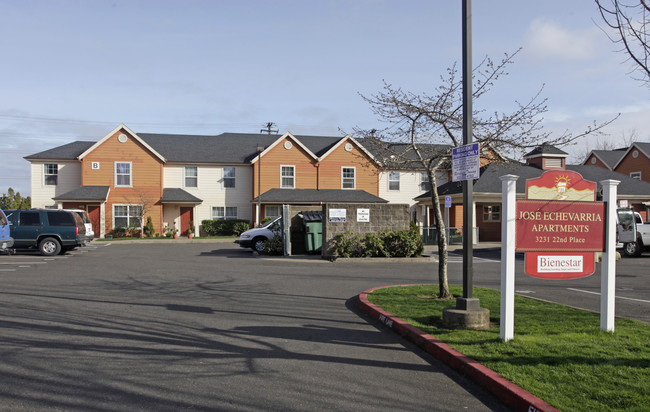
(277, 141)
(309, 196)
(345, 140)
(126, 129)
(609, 157)
(641, 146)
(177, 195)
(489, 182)
(70, 151)
(85, 194)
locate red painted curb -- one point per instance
(511, 394)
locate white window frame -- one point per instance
(293, 177)
(227, 212)
(185, 176)
(272, 207)
(130, 174)
(343, 178)
(425, 184)
(229, 178)
(636, 175)
(128, 215)
(46, 174)
(392, 180)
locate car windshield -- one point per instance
(270, 222)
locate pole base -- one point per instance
(467, 314)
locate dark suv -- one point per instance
(52, 231)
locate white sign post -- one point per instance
(608, 267)
(509, 208)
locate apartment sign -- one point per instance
(560, 226)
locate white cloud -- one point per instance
(548, 40)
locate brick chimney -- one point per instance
(547, 157)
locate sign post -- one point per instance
(508, 202)
(608, 268)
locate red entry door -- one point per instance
(94, 213)
(186, 216)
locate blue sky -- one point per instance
(74, 70)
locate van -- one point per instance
(257, 237)
(6, 241)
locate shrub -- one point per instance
(148, 228)
(220, 227)
(274, 246)
(399, 243)
(119, 232)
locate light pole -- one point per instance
(260, 149)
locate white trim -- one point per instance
(185, 177)
(287, 135)
(293, 167)
(354, 187)
(350, 139)
(115, 162)
(633, 146)
(128, 216)
(43, 183)
(392, 181)
(126, 129)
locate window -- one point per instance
(272, 211)
(228, 177)
(231, 212)
(347, 178)
(51, 173)
(191, 176)
(635, 175)
(60, 219)
(393, 180)
(126, 215)
(30, 219)
(492, 213)
(288, 177)
(425, 185)
(123, 174)
(221, 212)
(218, 212)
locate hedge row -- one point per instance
(220, 227)
(399, 243)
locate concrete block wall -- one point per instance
(383, 216)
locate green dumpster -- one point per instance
(313, 231)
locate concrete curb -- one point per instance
(509, 393)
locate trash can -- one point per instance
(313, 231)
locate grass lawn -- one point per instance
(559, 354)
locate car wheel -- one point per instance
(632, 249)
(258, 244)
(49, 246)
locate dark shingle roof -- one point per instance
(68, 151)
(318, 196)
(609, 157)
(86, 193)
(177, 195)
(489, 181)
(546, 148)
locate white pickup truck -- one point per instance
(639, 230)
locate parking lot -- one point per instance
(207, 326)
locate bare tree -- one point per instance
(422, 129)
(630, 21)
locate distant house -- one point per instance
(487, 189)
(179, 180)
(633, 161)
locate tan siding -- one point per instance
(366, 172)
(305, 168)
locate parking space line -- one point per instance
(7, 270)
(618, 297)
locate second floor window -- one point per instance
(191, 176)
(228, 177)
(51, 172)
(123, 174)
(287, 177)
(425, 185)
(393, 180)
(348, 180)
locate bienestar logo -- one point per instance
(566, 264)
